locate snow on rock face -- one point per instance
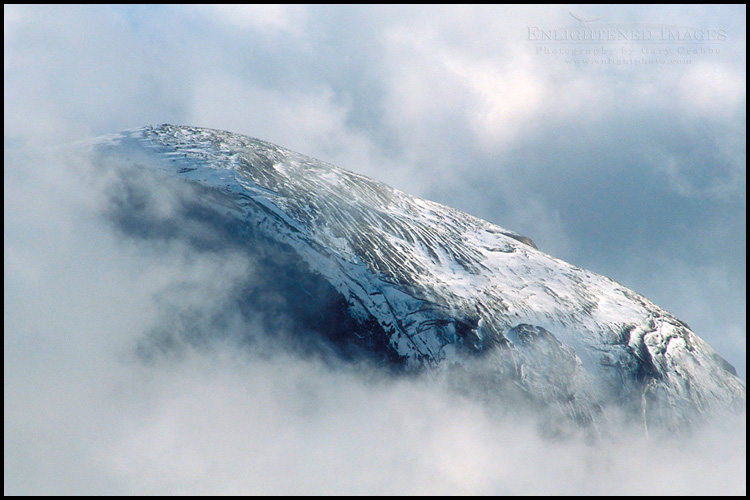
(446, 287)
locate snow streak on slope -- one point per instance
(444, 287)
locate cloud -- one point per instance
(77, 71)
(303, 429)
(285, 19)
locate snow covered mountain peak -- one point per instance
(436, 287)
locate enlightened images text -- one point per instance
(664, 34)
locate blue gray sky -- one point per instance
(622, 157)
